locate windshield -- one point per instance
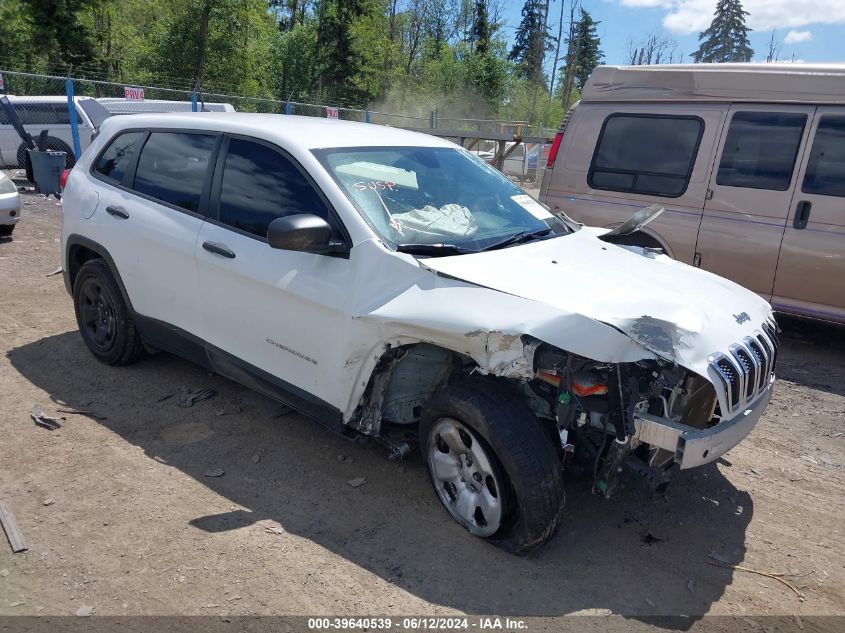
(430, 199)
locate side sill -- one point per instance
(171, 339)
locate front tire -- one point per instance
(492, 466)
(6, 230)
(103, 317)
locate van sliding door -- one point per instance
(751, 193)
(810, 275)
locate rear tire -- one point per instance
(103, 317)
(525, 471)
(6, 230)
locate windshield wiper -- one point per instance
(518, 238)
(435, 250)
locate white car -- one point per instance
(41, 113)
(10, 205)
(392, 284)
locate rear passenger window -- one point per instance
(117, 158)
(173, 167)
(260, 185)
(760, 150)
(826, 168)
(646, 154)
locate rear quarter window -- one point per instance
(650, 154)
(117, 158)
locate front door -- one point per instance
(750, 193)
(273, 319)
(811, 270)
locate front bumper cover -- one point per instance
(695, 447)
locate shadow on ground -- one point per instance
(812, 354)
(631, 555)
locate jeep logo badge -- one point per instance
(742, 317)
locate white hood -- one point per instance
(678, 312)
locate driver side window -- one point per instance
(259, 184)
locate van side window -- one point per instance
(826, 168)
(117, 158)
(259, 185)
(646, 154)
(760, 150)
(173, 166)
(41, 113)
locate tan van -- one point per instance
(747, 159)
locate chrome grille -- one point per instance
(748, 367)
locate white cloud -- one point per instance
(796, 37)
(694, 16)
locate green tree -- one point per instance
(585, 52)
(60, 32)
(16, 35)
(481, 27)
(531, 41)
(352, 37)
(726, 40)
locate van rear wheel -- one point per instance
(492, 466)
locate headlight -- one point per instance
(6, 185)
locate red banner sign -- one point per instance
(131, 93)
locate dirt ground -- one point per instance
(121, 517)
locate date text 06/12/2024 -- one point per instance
(459, 623)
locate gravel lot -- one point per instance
(120, 515)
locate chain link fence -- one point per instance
(63, 113)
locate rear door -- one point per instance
(751, 192)
(150, 218)
(810, 275)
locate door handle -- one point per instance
(802, 214)
(118, 212)
(219, 249)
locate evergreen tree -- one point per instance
(727, 38)
(481, 27)
(584, 44)
(530, 42)
(349, 43)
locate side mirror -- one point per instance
(303, 232)
(637, 221)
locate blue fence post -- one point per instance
(366, 116)
(71, 111)
(288, 108)
(195, 97)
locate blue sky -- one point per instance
(809, 30)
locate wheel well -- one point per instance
(404, 380)
(77, 256)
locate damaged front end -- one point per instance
(649, 417)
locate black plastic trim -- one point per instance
(78, 240)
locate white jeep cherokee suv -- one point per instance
(391, 284)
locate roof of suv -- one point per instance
(308, 132)
(784, 83)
